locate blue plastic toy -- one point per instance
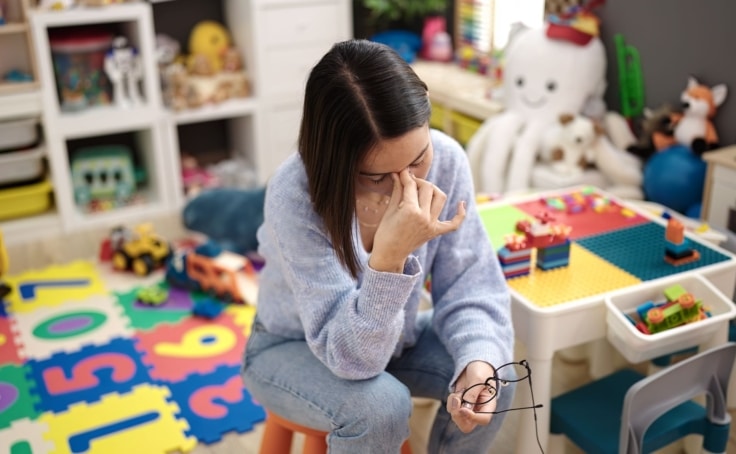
(674, 178)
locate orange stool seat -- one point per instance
(279, 432)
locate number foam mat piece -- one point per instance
(87, 369)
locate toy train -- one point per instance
(225, 275)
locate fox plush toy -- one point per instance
(694, 126)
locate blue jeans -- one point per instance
(362, 416)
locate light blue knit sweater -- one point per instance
(355, 326)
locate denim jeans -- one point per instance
(362, 416)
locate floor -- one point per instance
(569, 372)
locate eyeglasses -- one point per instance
(479, 395)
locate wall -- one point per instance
(675, 39)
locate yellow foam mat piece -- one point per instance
(586, 275)
(142, 421)
(53, 286)
(243, 314)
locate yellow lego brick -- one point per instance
(587, 275)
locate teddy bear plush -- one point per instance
(577, 150)
(569, 145)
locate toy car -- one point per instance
(152, 296)
(140, 249)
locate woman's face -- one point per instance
(412, 151)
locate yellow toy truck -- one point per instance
(139, 249)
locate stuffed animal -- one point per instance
(577, 151)
(656, 134)
(569, 145)
(694, 126)
(209, 39)
(228, 216)
(543, 78)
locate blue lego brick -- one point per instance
(639, 250)
(216, 403)
(511, 268)
(87, 374)
(550, 264)
(678, 248)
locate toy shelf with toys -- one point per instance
(104, 118)
(107, 87)
(17, 68)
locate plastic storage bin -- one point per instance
(79, 56)
(636, 346)
(26, 200)
(21, 166)
(17, 134)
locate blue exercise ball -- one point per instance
(674, 177)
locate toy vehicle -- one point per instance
(152, 296)
(104, 173)
(226, 275)
(140, 249)
(4, 264)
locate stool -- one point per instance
(279, 432)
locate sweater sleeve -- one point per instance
(469, 292)
(351, 325)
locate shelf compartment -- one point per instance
(89, 15)
(132, 21)
(20, 230)
(19, 59)
(227, 109)
(112, 175)
(13, 28)
(102, 120)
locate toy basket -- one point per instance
(637, 346)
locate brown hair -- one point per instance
(358, 94)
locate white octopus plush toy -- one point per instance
(543, 79)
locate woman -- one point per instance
(355, 223)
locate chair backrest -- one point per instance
(705, 373)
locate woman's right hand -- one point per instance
(411, 219)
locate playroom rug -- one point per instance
(86, 368)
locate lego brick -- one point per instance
(142, 317)
(500, 221)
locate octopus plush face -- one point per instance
(544, 77)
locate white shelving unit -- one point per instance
(280, 41)
(145, 124)
(288, 38)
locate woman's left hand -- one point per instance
(463, 413)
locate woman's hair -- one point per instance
(358, 94)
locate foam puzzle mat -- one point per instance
(611, 245)
(87, 369)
